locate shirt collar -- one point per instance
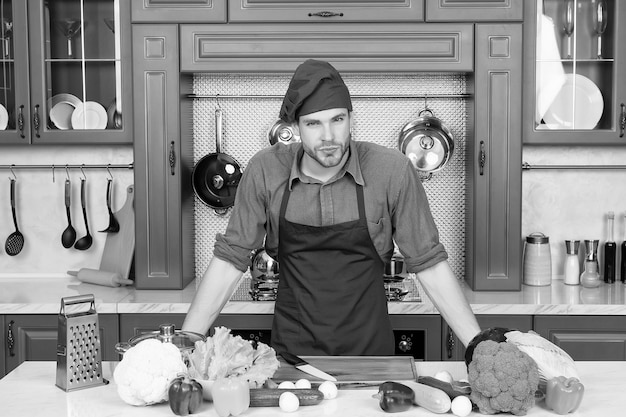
(352, 166)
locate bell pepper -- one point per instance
(231, 396)
(394, 397)
(185, 395)
(564, 395)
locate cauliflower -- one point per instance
(145, 372)
(503, 378)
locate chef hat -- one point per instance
(315, 86)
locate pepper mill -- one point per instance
(572, 266)
(590, 278)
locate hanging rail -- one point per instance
(67, 166)
(527, 166)
(356, 96)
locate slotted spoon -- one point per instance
(15, 241)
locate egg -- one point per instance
(329, 389)
(303, 383)
(461, 406)
(286, 385)
(288, 402)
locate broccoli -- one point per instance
(503, 378)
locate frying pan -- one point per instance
(427, 142)
(216, 176)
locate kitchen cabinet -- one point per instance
(33, 337)
(473, 10)
(65, 67)
(453, 349)
(493, 249)
(316, 11)
(574, 66)
(586, 338)
(164, 255)
(173, 11)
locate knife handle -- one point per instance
(292, 359)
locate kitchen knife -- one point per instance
(304, 366)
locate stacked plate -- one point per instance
(4, 117)
(69, 112)
(578, 105)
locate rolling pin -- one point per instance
(96, 276)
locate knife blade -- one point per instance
(304, 366)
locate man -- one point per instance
(330, 209)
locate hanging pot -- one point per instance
(427, 142)
(216, 176)
(282, 132)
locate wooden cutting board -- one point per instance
(375, 369)
(119, 248)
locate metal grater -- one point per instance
(79, 362)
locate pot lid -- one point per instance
(427, 150)
(167, 333)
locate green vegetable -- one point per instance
(431, 398)
(503, 378)
(453, 389)
(231, 396)
(269, 397)
(394, 397)
(185, 395)
(564, 395)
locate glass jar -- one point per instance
(590, 278)
(537, 260)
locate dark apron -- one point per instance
(331, 298)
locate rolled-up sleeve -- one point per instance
(415, 231)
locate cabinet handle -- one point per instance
(482, 157)
(325, 14)
(36, 120)
(172, 158)
(20, 121)
(450, 343)
(622, 124)
(11, 339)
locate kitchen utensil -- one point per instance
(15, 241)
(216, 176)
(568, 25)
(537, 260)
(7, 34)
(427, 142)
(265, 273)
(600, 16)
(354, 369)
(167, 333)
(282, 132)
(578, 105)
(79, 353)
(69, 28)
(304, 366)
(68, 237)
(119, 248)
(84, 242)
(96, 276)
(114, 225)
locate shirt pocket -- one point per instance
(380, 233)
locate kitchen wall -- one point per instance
(41, 209)
(573, 203)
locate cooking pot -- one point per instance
(264, 267)
(216, 176)
(282, 132)
(183, 340)
(427, 142)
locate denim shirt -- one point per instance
(396, 204)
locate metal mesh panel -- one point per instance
(247, 120)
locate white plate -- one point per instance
(4, 117)
(60, 108)
(578, 105)
(89, 115)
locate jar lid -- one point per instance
(572, 246)
(537, 238)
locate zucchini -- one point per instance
(453, 390)
(268, 397)
(431, 398)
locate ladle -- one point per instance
(84, 242)
(68, 237)
(15, 241)
(114, 225)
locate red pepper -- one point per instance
(564, 395)
(231, 396)
(185, 395)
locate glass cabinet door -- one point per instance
(578, 72)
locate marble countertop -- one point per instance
(29, 390)
(43, 296)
